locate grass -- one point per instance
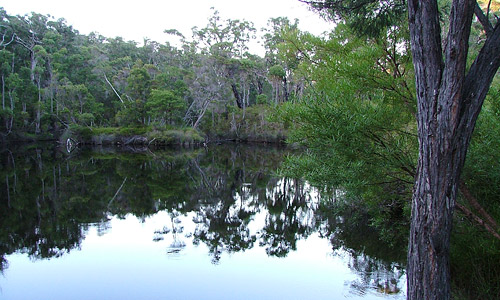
(147, 134)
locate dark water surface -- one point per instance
(212, 223)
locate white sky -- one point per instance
(135, 20)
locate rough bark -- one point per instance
(448, 102)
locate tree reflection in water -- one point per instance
(50, 199)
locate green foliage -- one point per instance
(277, 71)
(474, 252)
(139, 82)
(165, 106)
(55, 77)
(262, 99)
(366, 17)
(254, 123)
(475, 261)
(357, 124)
(184, 136)
(361, 138)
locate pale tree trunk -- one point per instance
(285, 89)
(201, 114)
(51, 86)
(449, 102)
(38, 108)
(116, 93)
(34, 62)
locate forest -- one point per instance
(348, 98)
(56, 81)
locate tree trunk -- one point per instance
(38, 109)
(34, 62)
(237, 95)
(3, 91)
(51, 86)
(260, 86)
(38, 118)
(116, 93)
(449, 102)
(285, 89)
(202, 113)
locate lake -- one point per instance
(208, 223)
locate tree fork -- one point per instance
(448, 105)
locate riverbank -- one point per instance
(253, 125)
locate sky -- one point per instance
(136, 20)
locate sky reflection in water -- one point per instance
(184, 254)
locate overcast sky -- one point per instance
(135, 20)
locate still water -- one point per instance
(214, 223)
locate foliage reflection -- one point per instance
(51, 198)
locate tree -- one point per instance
(449, 99)
(165, 106)
(356, 119)
(226, 44)
(283, 62)
(450, 96)
(138, 88)
(276, 75)
(207, 87)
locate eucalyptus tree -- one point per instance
(9, 85)
(277, 75)
(450, 95)
(5, 69)
(283, 57)
(7, 37)
(76, 104)
(207, 88)
(30, 31)
(7, 34)
(226, 42)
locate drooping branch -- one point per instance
(474, 203)
(478, 220)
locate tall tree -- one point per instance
(449, 98)
(226, 42)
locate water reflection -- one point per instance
(225, 198)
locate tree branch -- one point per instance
(425, 32)
(116, 194)
(116, 93)
(472, 201)
(478, 220)
(483, 19)
(3, 43)
(478, 81)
